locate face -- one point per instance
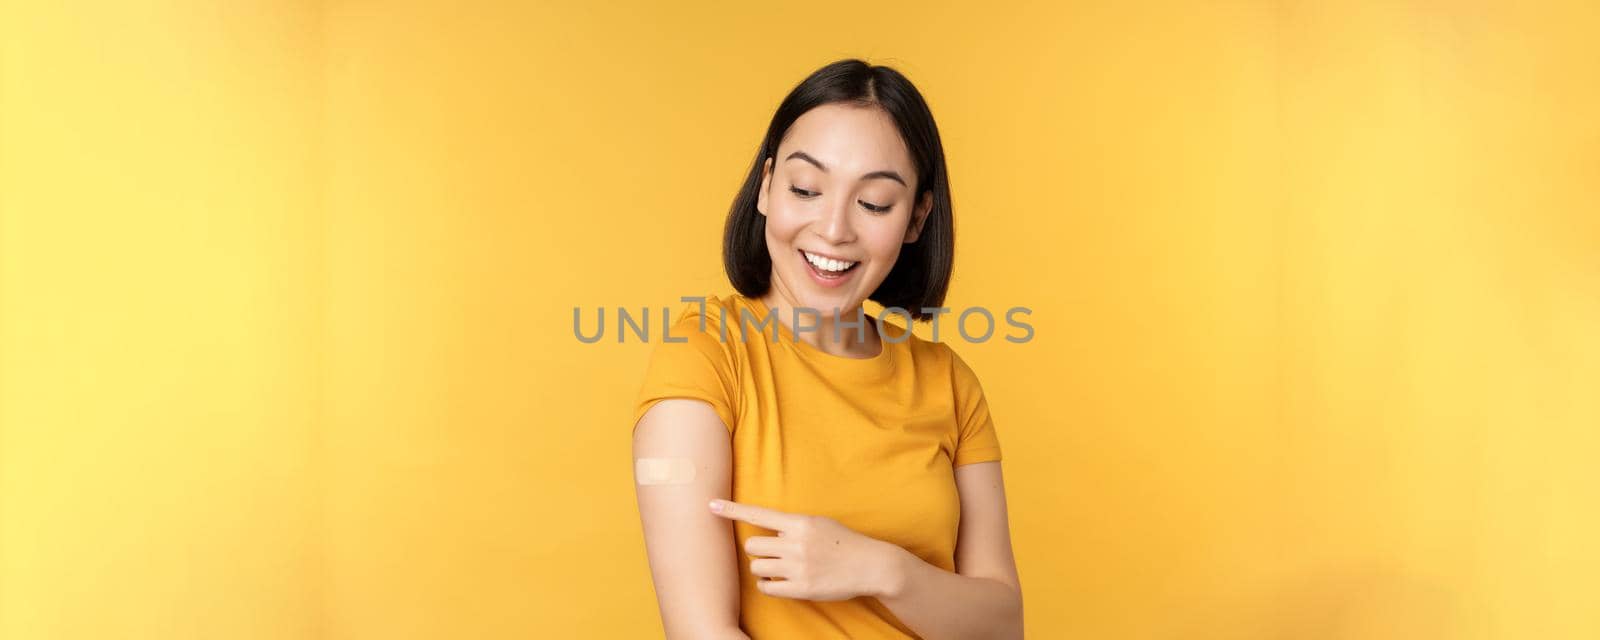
(839, 206)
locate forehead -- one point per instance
(858, 139)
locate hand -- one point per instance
(813, 557)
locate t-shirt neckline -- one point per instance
(883, 362)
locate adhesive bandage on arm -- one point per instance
(663, 470)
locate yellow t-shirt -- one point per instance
(870, 442)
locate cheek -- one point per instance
(780, 238)
(782, 225)
(884, 242)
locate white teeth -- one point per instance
(827, 264)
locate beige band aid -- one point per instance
(663, 470)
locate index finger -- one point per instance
(759, 516)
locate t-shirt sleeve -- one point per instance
(697, 364)
(977, 440)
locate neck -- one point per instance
(849, 340)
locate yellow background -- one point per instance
(286, 294)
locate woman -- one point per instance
(856, 463)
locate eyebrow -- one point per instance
(801, 155)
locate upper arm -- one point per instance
(692, 555)
(983, 545)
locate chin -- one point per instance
(807, 294)
(825, 301)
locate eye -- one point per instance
(802, 192)
(875, 208)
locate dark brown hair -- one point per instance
(921, 275)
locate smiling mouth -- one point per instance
(828, 267)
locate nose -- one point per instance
(837, 224)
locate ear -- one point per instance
(766, 181)
(919, 216)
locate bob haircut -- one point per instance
(921, 274)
